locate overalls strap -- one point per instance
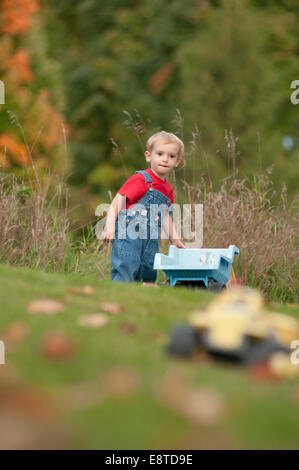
(146, 175)
(165, 199)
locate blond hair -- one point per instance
(167, 137)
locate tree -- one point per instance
(33, 122)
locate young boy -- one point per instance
(143, 202)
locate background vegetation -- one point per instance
(225, 65)
(87, 83)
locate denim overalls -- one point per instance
(133, 259)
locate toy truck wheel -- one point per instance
(216, 287)
(183, 341)
(261, 351)
(236, 354)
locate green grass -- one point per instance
(96, 415)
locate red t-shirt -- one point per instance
(136, 187)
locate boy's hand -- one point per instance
(178, 243)
(108, 234)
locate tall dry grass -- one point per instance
(242, 213)
(33, 223)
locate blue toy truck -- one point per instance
(203, 267)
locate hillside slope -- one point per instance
(65, 385)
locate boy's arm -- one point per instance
(169, 228)
(117, 204)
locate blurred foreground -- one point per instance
(86, 368)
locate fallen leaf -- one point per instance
(204, 406)
(127, 328)
(120, 382)
(84, 290)
(110, 307)
(84, 395)
(27, 401)
(262, 372)
(157, 336)
(198, 404)
(14, 335)
(45, 306)
(57, 347)
(94, 320)
(117, 382)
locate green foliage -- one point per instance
(230, 82)
(105, 176)
(115, 51)
(224, 64)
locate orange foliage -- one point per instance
(15, 149)
(17, 15)
(158, 79)
(20, 63)
(40, 119)
(43, 115)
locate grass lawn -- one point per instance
(114, 387)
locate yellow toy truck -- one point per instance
(236, 327)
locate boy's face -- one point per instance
(163, 158)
